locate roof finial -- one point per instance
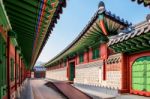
(101, 7)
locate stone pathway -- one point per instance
(26, 92)
(40, 91)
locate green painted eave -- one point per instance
(4, 21)
(31, 20)
(91, 35)
(134, 45)
(138, 39)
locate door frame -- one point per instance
(70, 70)
(132, 59)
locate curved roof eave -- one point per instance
(59, 10)
(93, 19)
(146, 3)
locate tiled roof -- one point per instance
(139, 29)
(39, 68)
(108, 14)
(144, 2)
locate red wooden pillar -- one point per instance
(20, 71)
(104, 51)
(86, 56)
(77, 59)
(8, 66)
(68, 68)
(124, 74)
(104, 56)
(16, 60)
(90, 54)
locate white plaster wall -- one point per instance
(89, 73)
(57, 74)
(113, 79)
(92, 74)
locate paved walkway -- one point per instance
(70, 91)
(99, 95)
(36, 89)
(26, 92)
(40, 91)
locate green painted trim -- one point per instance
(136, 44)
(3, 17)
(14, 41)
(18, 49)
(12, 34)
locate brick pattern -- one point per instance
(89, 73)
(92, 73)
(57, 74)
(113, 71)
(113, 79)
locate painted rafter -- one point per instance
(4, 18)
(38, 42)
(31, 20)
(99, 28)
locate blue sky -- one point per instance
(77, 14)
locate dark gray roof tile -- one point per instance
(143, 27)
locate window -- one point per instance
(81, 58)
(95, 53)
(12, 69)
(17, 69)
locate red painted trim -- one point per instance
(142, 93)
(12, 55)
(39, 25)
(90, 54)
(103, 51)
(124, 73)
(16, 62)
(104, 70)
(5, 97)
(77, 59)
(132, 58)
(101, 23)
(20, 64)
(8, 68)
(86, 57)
(67, 69)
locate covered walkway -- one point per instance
(36, 89)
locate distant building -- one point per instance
(39, 72)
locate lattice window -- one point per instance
(95, 53)
(12, 69)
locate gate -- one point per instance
(141, 74)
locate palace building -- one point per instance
(109, 53)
